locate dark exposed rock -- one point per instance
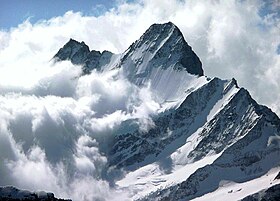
(10, 193)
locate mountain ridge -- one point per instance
(158, 35)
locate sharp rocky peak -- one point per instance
(163, 45)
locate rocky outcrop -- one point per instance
(10, 193)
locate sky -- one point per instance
(233, 38)
(15, 12)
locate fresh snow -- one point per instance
(152, 177)
(229, 190)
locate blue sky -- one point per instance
(14, 12)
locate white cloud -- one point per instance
(55, 139)
(51, 120)
(51, 124)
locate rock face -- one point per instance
(79, 54)
(210, 122)
(10, 193)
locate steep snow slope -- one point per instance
(162, 57)
(161, 46)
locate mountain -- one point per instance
(209, 132)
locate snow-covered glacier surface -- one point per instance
(146, 124)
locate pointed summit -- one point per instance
(163, 46)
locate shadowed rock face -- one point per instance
(10, 193)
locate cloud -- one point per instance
(56, 139)
(52, 123)
(51, 120)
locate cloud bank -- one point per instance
(51, 141)
(51, 119)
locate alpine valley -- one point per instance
(208, 140)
